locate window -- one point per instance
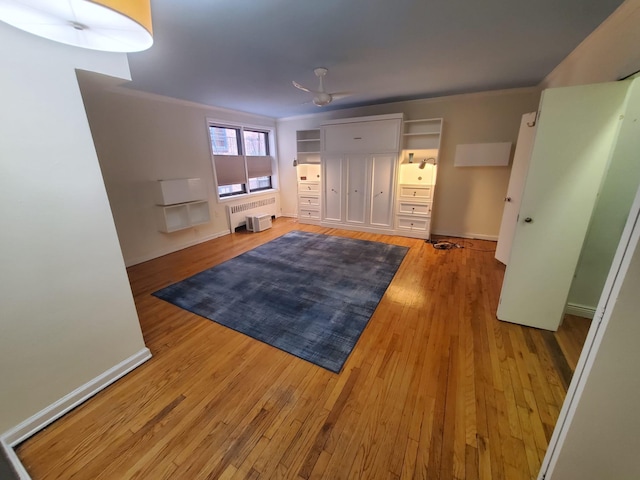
(241, 159)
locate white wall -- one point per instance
(141, 138)
(66, 311)
(611, 210)
(601, 439)
(609, 53)
(468, 201)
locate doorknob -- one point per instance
(528, 220)
(507, 199)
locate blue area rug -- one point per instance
(308, 294)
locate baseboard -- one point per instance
(44, 417)
(472, 236)
(161, 253)
(580, 310)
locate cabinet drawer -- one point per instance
(414, 208)
(362, 137)
(423, 192)
(309, 200)
(312, 213)
(308, 187)
(413, 223)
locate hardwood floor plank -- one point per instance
(435, 388)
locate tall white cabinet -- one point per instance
(417, 174)
(308, 174)
(359, 165)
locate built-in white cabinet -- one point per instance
(308, 175)
(377, 174)
(181, 203)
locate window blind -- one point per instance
(259, 166)
(230, 169)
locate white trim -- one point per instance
(14, 461)
(166, 251)
(472, 236)
(186, 103)
(54, 411)
(580, 310)
(335, 113)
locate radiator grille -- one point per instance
(244, 207)
(238, 213)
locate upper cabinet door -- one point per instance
(576, 132)
(377, 136)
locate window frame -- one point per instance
(270, 148)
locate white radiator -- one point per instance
(239, 212)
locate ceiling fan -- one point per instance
(320, 96)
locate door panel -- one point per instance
(576, 130)
(521, 159)
(382, 194)
(332, 191)
(356, 188)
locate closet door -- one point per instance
(383, 168)
(356, 191)
(518, 176)
(332, 188)
(576, 131)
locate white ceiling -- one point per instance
(243, 54)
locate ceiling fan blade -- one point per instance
(339, 95)
(304, 89)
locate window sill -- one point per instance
(247, 195)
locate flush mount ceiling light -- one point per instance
(108, 25)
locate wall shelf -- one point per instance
(172, 218)
(422, 133)
(308, 145)
(181, 203)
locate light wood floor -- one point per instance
(436, 387)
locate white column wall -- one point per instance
(66, 310)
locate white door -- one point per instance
(518, 176)
(332, 188)
(576, 129)
(383, 169)
(356, 198)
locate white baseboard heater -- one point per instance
(239, 212)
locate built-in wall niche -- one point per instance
(309, 172)
(418, 167)
(181, 203)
